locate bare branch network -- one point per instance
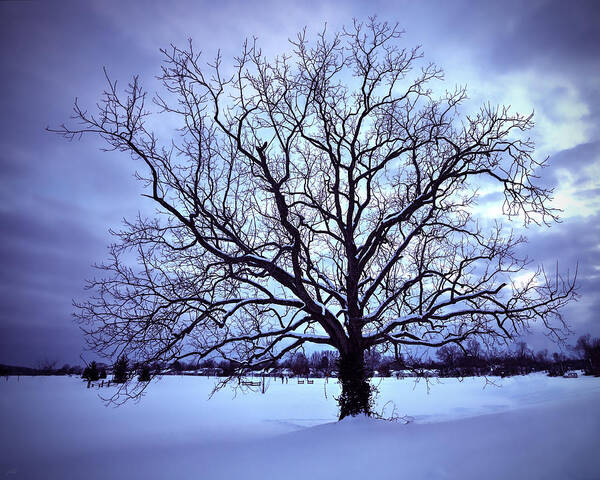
(323, 196)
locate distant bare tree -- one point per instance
(523, 352)
(589, 349)
(323, 361)
(46, 366)
(325, 196)
(542, 356)
(448, 355)
(299, 364)
(473, 348)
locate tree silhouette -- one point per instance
(324, 196)
(589, 349)
(120, 370)
(91, 372)
(144, 374)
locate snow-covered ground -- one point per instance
(531, 427)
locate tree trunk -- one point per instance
(355, 398)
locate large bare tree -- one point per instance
(324, 196)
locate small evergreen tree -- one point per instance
(91, 372)
(144, 375)
(120, 370)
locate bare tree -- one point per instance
(325, 196)
(448, 355)
(589, 349)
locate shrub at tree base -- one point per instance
(356, 393)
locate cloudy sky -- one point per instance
(58, 199)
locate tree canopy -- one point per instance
(323, 196)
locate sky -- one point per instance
(59, 199)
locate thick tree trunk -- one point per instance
(355, 398)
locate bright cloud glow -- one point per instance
(577, 193)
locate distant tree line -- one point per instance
(451, 361)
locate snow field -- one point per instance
(528, 427)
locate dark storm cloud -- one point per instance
(57, 199)
(572, 246)
(553, 34)
(574, 161)
(43, 263)
(551, 38)
(31, 344)
(577, 157)
(555, 38)
(512, 34)
(552, 43)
